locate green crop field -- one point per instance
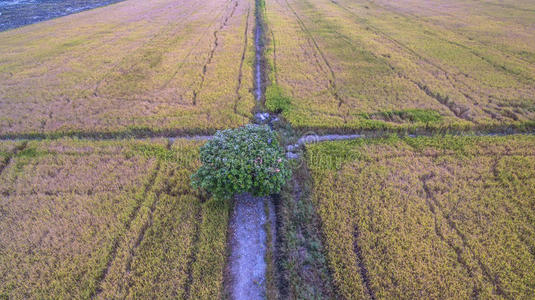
(112, 219)
(340, 65)
(137, 66)
(428, 218)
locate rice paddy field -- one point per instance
(342, 65)
(114, 219)
(134, 67)
(103, 113)
(428, 218)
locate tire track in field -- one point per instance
(115, 245)
(274, 47)
(141, 236)
(193, 254)
(240, 74)
(458, 252)
(212, 51)
(521, 210)
(435, 23)
(332, 80)
(127, 56)
(364, 275)
(100, 43)
(457, 110)
(181, 64)
(436, 208)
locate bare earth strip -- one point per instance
(156, 66)
(248, 247)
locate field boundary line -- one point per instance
(13, 153)
(364, 134)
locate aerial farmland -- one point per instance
(377, 64)
(267, 149)
(136, 66)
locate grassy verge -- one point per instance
(302, 266)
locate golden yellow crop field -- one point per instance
(430, 217)
(341, 65)
(111, 219)
(277, 149)
(155, 67)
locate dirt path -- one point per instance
(248, 246)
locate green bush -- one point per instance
(276, 101)
(246, 159)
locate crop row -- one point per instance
(428, 217)
(108, 219)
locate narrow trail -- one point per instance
(248, 240)
(248, 247)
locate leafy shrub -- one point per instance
(246, 159)
(276, 101)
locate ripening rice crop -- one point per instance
(129, 68)
(428, 217)
(109, 219)
(353, 65)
